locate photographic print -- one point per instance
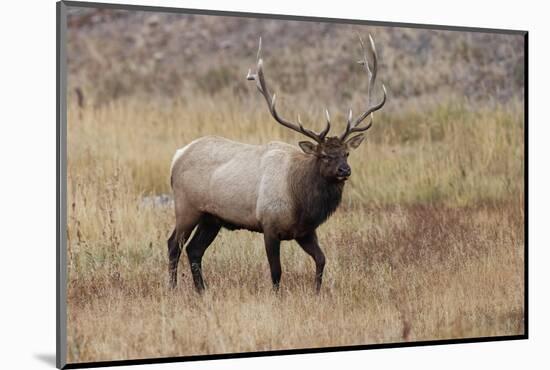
(240, 184)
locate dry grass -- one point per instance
(428, 243)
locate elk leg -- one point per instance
(311, 246)
(204, 236)
(273, 249)
(175, 243)
(174, 252)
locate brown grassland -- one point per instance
(427, 244)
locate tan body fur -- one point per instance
(244, 185)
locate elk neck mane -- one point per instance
(314, 197)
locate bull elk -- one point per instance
(275, 189)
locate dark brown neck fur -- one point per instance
(314, 197)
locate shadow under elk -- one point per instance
(275, 189)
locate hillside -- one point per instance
(114, 54)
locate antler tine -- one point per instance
(350, 119)
(371, 73)
(324, 133)
(262, 87)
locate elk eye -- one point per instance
(347, 155)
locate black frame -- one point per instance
(61, 194)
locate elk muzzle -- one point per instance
(343, 172)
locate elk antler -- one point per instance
(352, 125)
(262, 87)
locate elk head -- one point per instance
(331, 151)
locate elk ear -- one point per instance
(308, 147)
(355, 141)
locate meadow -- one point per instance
(428, 242)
